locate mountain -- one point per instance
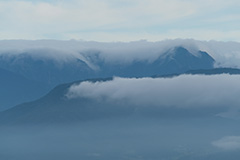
(231, 71)
(179, 117)
(56, 107)
(87, 128)
(175, 60)
(53, 71)
(17, 89)
(44, 70)
(37, 73)
(214, 71)
(180, 60)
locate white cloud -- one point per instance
(110, 52)
(226, 54)
(185, 91)
(91, 13)
(228, 143)
(47, 18)
(93, 19)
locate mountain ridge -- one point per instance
(16, 89)
(50, 70)
(55, 107)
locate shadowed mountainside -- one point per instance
(35, 76)
(56, 107)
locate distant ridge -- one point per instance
(53, 72)
(15, 89)
(215, 71)
(56, 108)
(37, 66)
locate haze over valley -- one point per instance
(174, 99)
(119, 80)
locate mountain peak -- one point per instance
(180, 60)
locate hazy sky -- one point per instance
(120, 20)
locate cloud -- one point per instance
(119, 19)
(109, 52)
(226, 54)
(228, 143)
(185, 91)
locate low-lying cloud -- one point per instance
(185, 91)
(226, 54)
(228, 143)
(116, 52)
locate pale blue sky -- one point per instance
(120, 20)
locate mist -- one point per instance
(131, 138)
(200, 136)
(184, 117)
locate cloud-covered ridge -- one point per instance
(226, 54)
(185, 91)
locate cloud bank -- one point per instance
(185, 91)
(226, 54)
